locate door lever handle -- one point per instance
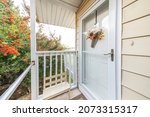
(108, 54)
(111, 54)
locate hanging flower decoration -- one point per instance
(95, 34)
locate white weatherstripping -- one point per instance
(114, 81)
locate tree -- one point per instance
(14, 39)
(48, 43)
(14, 43)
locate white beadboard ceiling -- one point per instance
(57, 12)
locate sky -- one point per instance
(67, 34)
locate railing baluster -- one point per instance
(61, 66)
(56, 67)
(69, 62)
(75, 72)
(65, 64)
(73, 68)
(38, 73)
(44, 71)
(50, 68)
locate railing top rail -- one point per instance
(8, 93)
(53, 52)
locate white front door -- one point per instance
(98, 63)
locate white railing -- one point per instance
(59, 63)
(12, 88)
(54, 64)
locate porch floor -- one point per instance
(75, 94)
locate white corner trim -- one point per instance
(118, 48)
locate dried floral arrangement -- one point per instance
(95, 34)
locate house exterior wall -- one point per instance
(135, 46)
(135, 49)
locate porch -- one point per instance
(59, 68)
(64, 73)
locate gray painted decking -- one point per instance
(75, 94)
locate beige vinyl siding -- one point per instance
(137, 80)
(84, 7)
(128, 94)
(135, 49)
(137, 28)
(127, 2)
(136, 46)
(137, 64)
(144, 9)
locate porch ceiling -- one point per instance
(57, 12)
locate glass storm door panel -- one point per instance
(95, 62)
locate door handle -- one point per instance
(108, 54)
(111, 54)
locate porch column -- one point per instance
(34, 78)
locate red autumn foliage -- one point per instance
(8, 49)
(15, 33)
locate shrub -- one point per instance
(14, 40)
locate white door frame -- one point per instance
(115, 23)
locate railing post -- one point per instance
(34, 78)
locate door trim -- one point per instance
(118, 48)
(114, 10)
